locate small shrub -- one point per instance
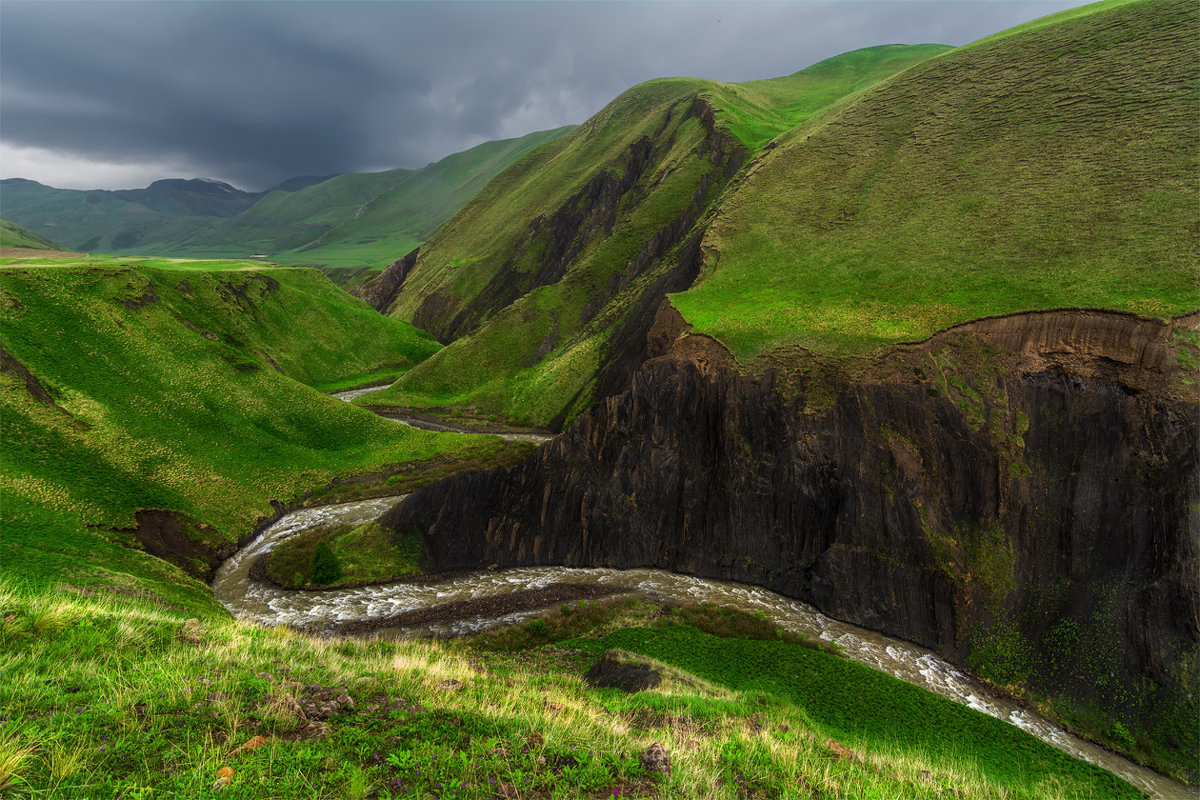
(324, 567)
(1119, 735)
(537, 627)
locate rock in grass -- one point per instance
(841, 752)
(450, 685)
(224, 778)
(657, 759)
(628, 676)
(252, 744)
(193, 632)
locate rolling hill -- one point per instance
(1055, 166)
(179, 409)
(546, 284)
(348, 220)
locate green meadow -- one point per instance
(187, 387)
(1052, 166)
(142, 703)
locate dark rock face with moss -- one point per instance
(1016, 494)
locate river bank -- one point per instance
(467, 603)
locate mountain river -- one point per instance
(250, 599)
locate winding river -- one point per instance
(440, 425)
(318, 611)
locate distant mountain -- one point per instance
(197, 197)
(348, 220)
(301, 182)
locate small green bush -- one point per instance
(324, 566)
(1119, 735)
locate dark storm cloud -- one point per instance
(260, 91)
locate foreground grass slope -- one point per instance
(534, 278)
(1052, 166)
(143, 703)
(350, 220)
(127, 387)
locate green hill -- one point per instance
(350, 220)
(183, 391)
(1052, 166)
(546, 283)
(13, 235)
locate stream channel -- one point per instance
(319, 611)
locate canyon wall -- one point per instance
(1018, 494)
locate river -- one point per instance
(319, 611)
(443, 426)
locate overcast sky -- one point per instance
(118, 94)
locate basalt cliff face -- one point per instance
(1018, 494)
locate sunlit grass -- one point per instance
(131, 705)
(1050, 167)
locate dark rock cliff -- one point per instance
(381, 292)
(1017, 494)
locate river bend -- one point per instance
(319, 611)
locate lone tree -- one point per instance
(324, 566)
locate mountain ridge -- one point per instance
(307, 219)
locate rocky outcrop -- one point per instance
(381, 292)
(184, 541)
(1017, 494)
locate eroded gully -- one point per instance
(321, 611)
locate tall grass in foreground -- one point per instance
(104, 698)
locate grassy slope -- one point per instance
(1054, 166)
(13, 235)
(868, 711)
(489, 369)
(133, 705)
(498, 367)
(350, 220)
(166, 398)
(395, 222)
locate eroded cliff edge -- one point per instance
(1019, 494)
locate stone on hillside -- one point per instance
(841, 752)
(657, 759)
(628, 676)
(193, 632)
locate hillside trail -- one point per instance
(325, 611)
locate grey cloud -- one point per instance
(260, 91)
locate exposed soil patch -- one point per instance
(35, 388)
(165, 534)
(528, 600)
